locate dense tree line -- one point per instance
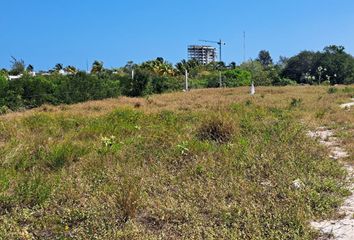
(66, 85)
(32, 91)
(333, 65)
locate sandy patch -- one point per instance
(341, 229)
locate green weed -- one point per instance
(332, 90)
(295, 102)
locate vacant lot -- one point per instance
(207, 164)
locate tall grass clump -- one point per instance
(33, 190)
(63, 154)
(129, 196)
(216, 128)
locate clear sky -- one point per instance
(72, 32)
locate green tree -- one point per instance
(97, 67)
(138, 85)
(3, 89)
(232, 65)
(129, 66)
(333, 64)
(17, 66)
(264, 58)
(70, 69)
(260, 75)
(159, 67)
(338, 65)
(29, 68)
(192, 66)
(236, 77)
(303, 64)
(281, 64)
(58, 67)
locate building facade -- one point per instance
(203, 54)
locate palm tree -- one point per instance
(70, 69)
(18, 66)
(30, 68)
(182, 66)
(159, 67)
(189, 65)
(232, 65)
(58, 67)
(97, 67)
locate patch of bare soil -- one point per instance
(340, 229)
(348, 105)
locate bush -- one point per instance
(138, 86)
(212, 80)
(56, 89)
(332, 90)
(260, 75)
(236, 77)
(216, 129)
(295, 102)
(326, 83)
(283, 82)
(4, 110)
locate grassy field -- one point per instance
(207, 164)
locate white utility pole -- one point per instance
(253, 89)
(187, 85)
(133, 73)
(220, 79)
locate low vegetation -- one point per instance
(207, 164)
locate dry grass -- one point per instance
(313, 97)
(318, 107)
(134, 168)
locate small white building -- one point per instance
(13, 77)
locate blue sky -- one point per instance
(73, 32)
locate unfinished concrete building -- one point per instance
(203, 54)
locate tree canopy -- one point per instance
(335, 64)
(264, 58)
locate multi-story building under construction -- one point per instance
(203, 54)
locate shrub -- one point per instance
(332, 90)
(4, 110)
(326, 83)
(260, 75)
(138, 86)
(216, 129)
(283, 82)
(295, 102)
(29, 91)
(230, 78)
(212, 80)
(236, 77)
(3, 88)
